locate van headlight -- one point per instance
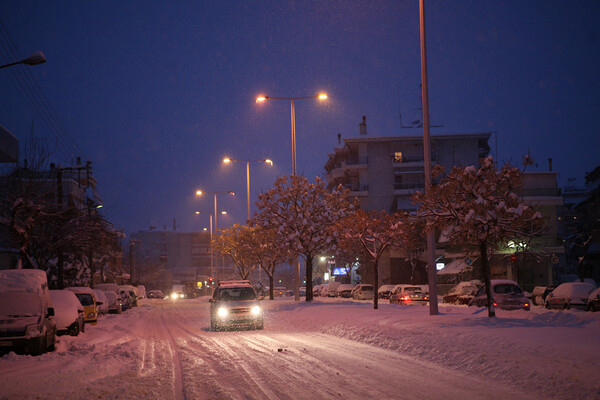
(222, 312)
(255, 310)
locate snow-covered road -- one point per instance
(165, 350)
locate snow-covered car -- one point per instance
(125, 298)
(402, 290)
(87, 299)
(155, 294)
(363, 291)
(539, 294)
(303, 291)
(324, 291)
(101, 301)
(506, 295)
(68, 312)
(569, 295)
(234, 304)
(384, 291)
(26, 312)
(461, 293)
(593, 303)
(344, 290)
(107, 287)
(332, 289)
(114, 302)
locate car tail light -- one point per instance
(405, 298)
(495, 304)
(526, 304)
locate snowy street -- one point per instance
(327, 349)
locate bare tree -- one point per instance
(480, 207)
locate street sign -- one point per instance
(513, 257)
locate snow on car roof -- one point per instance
(32, 280)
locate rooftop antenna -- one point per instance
(417, 123)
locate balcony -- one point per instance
(357, 189)
(408, 188)
(355, 162)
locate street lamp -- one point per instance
(322, 97)
(210, 245)
(34, 59)
(200, 193)
(228, 160)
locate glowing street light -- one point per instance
(228, 160)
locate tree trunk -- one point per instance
(271, 297)
(485, 267)
(309, 278)
(376, 285)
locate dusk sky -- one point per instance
(155, 94)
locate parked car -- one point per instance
(403, 290)
(101, 301)
(141, 291)
(363, 291)
(324, 291)
(26, 312)
(569, 295)
(303, 291)
(332, 288)
(384, 291)
(68, 312)
(345, 290)
(539, 294)
(506, 295)
(87, 299)
(279, 291)
(416, 297)
(234, 304)
(593, 303)
(461, 293)
(133, 293)
(107, 287)
(155, 294)
(114, 303)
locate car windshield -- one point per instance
(412, 289)
(21, 304)
(367, 288)
(237, 293)
(85, 299)
(507, 288)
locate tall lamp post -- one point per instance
(431, 272)
(228, 160)
(200, 193)
(34, 59)
(210, 244)
(321, 96)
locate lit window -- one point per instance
(398, 157)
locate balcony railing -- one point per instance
(356, 160)
(409, 186)
(357, 188)
(542, 192)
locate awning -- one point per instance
(457, 266)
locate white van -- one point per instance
(26, 312)
(332, 289)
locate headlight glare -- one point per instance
(255, 310)
(222, 312)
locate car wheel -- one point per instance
(547, 305)
(75, 330)
(40, 347)
(260, 325)
(213, 326)
(52, 347)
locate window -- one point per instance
(397, 156)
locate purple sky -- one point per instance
(155, 94)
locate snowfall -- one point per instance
(324, 349)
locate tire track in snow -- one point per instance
(178, 393)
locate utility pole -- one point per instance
(61, 256)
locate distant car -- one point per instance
(114, 302)
(363, 291)
(384, 291)
(506, 295)
(345, 290)
(279, 291)
(87, 299)
(125, 298)
(399, 292)
(303, 291)
(177, 294)
(68, 312)
(539, 294)
(569, 295)
(234, 304)
(155, 294)
(461, 293)
(101, 301)
(593, 303)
